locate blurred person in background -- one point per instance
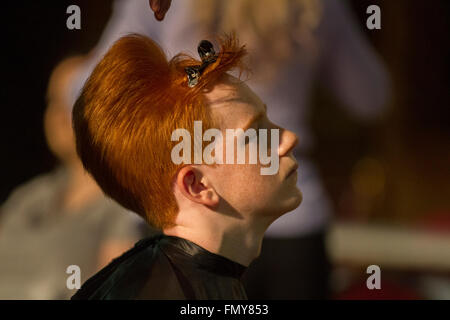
(294, 44)
(60, 218)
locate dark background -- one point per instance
(411, 144)
(36, 40)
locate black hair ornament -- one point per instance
(207, 55)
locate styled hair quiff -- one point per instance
(124, 118)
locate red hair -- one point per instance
(125, 115)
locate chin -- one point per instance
(293, 201)
(287, 204)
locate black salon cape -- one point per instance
(166, 267)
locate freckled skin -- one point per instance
(242, 185)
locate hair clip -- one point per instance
(207, 55)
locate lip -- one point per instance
(294, 169)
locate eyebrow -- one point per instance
(255, 118)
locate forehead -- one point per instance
(232, 102)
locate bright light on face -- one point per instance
(213, 152)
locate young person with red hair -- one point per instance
(212, 217)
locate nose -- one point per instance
(288, 141)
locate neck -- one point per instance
(225, 235)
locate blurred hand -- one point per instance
(160, 8)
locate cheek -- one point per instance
(245, 184)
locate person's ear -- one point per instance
(196, 187)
